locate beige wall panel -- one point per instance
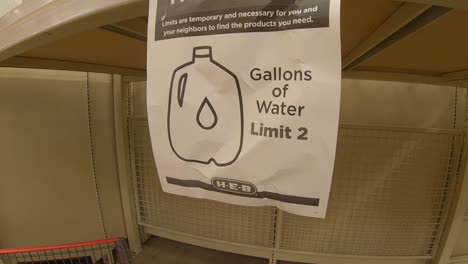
(46, 186)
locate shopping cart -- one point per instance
(106, 251)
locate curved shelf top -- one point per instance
(428, 40)
(35, 23)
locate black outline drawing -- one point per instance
(181, 93)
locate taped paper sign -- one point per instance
(243, 100)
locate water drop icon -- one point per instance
(206, 115)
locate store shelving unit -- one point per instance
(409, 41)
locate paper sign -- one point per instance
(243, 100)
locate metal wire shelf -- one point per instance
(370, 211)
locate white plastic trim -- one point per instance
(26, 8)
(36, 24)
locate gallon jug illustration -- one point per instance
(205, 115)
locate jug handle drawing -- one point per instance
(181, 89)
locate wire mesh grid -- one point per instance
(108, 251)
(389, 195)
(246, 225)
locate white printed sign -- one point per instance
(243, 100)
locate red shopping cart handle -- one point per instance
(62, 246)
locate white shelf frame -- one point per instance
(38, 22)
